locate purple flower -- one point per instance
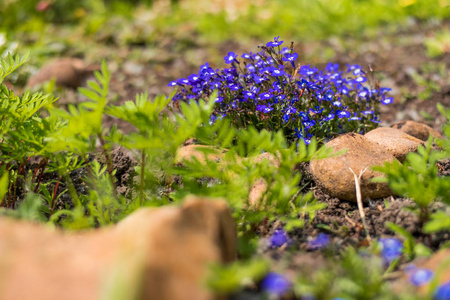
(360, 79)
(443, 292)
(275, 42)
(388, 100)
(319, 242)
(248, 56)
(265, 96)
(309, 123)
(231, 57)
(367, 112)
(183, 81)
(291, 57)
(173, 83)
(194, 78)
(275, 283)
(278, 239)
(329, 117)
(391, 248)
(264, 108)
(277, 72)
(219, 99)
(420, 276)
(343, 114)
(354, 118)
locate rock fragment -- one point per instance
(161, 253)
(416, 129)
(67, 72)
(334, 176)
(395, 141)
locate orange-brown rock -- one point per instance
(334, 176)
(438, 263)
(416, 129)
(68, 72)
(200, 152)
(160, 253)
(395, 141)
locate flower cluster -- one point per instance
(271, 90)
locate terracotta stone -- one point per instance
(190, 151)
(439, 263)
(161, 253)
(395, 141)
(259, 187)
(68, 72)
(416, 129)
(333, 173)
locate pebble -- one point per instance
(67, 72)
(395, 141)
(416, 129)
(334, 176)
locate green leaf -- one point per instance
(4, 183)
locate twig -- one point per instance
(359, 202)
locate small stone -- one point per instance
(333, 174)
(155, 253)
(395, 141)
(257, 190)
(416, 129)
(67, 72)
(195, 151)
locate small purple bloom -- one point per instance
(183, 81)
(291, 58)
(173, 83)
(361, 79)
(354, 118)
(391, 248)
(443, 292)
(231, 57)
(264, 108)
(278, 239)
(309, 123)
(337, 103)
(329, 117)
(245, 55)
(343, 114)
(367, 112)
(194, 78)
(319, 242)
(275, 283)
(277, 72)
(219, 99)
(265, 96)
(388, 100)
(275, 42)
(420, 276)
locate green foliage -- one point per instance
(236, 276)
(438, 44)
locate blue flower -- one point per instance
(277, 72)
(194, 78)
(343, 114)
(290, 57)
(354, 118)
(420, 276)
(231, 57)
(173, 83)
(264, 108)
(386, 101)
(360, 79)
(309, 123)
(219, 99)
(265, 96)
(248, 56)
(329, 117)
(367, 112)
(278, 239)
(275, 283)
(391, 248)
(275, 42)
(443, 292)
(183, 81)
(319, 242)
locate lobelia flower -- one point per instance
(442, 292)
(420, 276)
(392, 248)
(274, 283)
(278, 239)
(302, 106)
(319, 242)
